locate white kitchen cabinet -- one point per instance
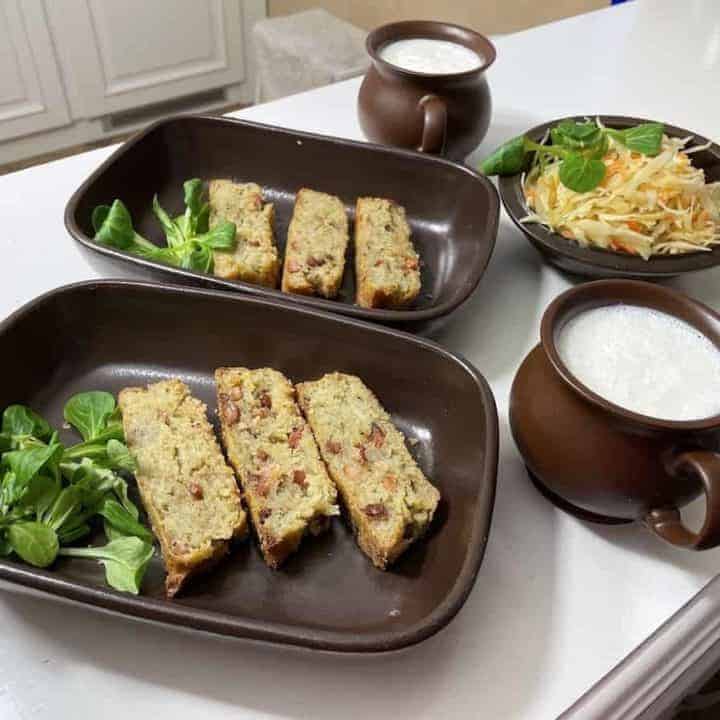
(138, 52)
(31, 91)
(74, 71)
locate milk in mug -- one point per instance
(643, 360)
(427, 55)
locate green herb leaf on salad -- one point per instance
(576, 135)
(645, 139)
(579, 148)
(509, 159)
(581, 173)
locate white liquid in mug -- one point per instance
(644, 360)
(427, 55)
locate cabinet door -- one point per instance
(31, 92)
(121, 54)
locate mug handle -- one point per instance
(434, 124)
(668, 524)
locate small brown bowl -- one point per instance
(597, 262)
(599, 461)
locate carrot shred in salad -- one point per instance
(645, 205)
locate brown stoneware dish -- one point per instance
(111, 334)
(567, 255)
(604, 463)
(452, 210)
(446, 114)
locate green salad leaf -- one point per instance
(96, 417)
(509, 159)
(36, 543)
(119, 457)
(125, 560)
(110, 532)
(40, 494)
(89, 412)
(198, 258)
(189, 241)
(122, 521)
(67, 503)
(174, 236)
(22, 466)
(75, 529)
(196, 219)
(51, 496)
(113, 226)
(576, 135)
(221, 237)
(645, 139)
(19, 420)
(581, 173)
(578, 147)
(95, 482)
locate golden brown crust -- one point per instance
(389, 500)
(316, 246)
(285, 483)
(255, 258)
(181, 570)
(387, 267)
(187, 488)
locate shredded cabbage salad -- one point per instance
(644, 206)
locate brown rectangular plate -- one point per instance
(452, 210)
(111, 334)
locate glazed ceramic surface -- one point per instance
(452, 210)
(444, 114)
(328, 595)
(603, 462)
(598, 263)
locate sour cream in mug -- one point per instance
(427, 55)
(644, 360)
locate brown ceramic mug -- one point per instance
(445, 114)
(604, 463)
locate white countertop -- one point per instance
(557, 602)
